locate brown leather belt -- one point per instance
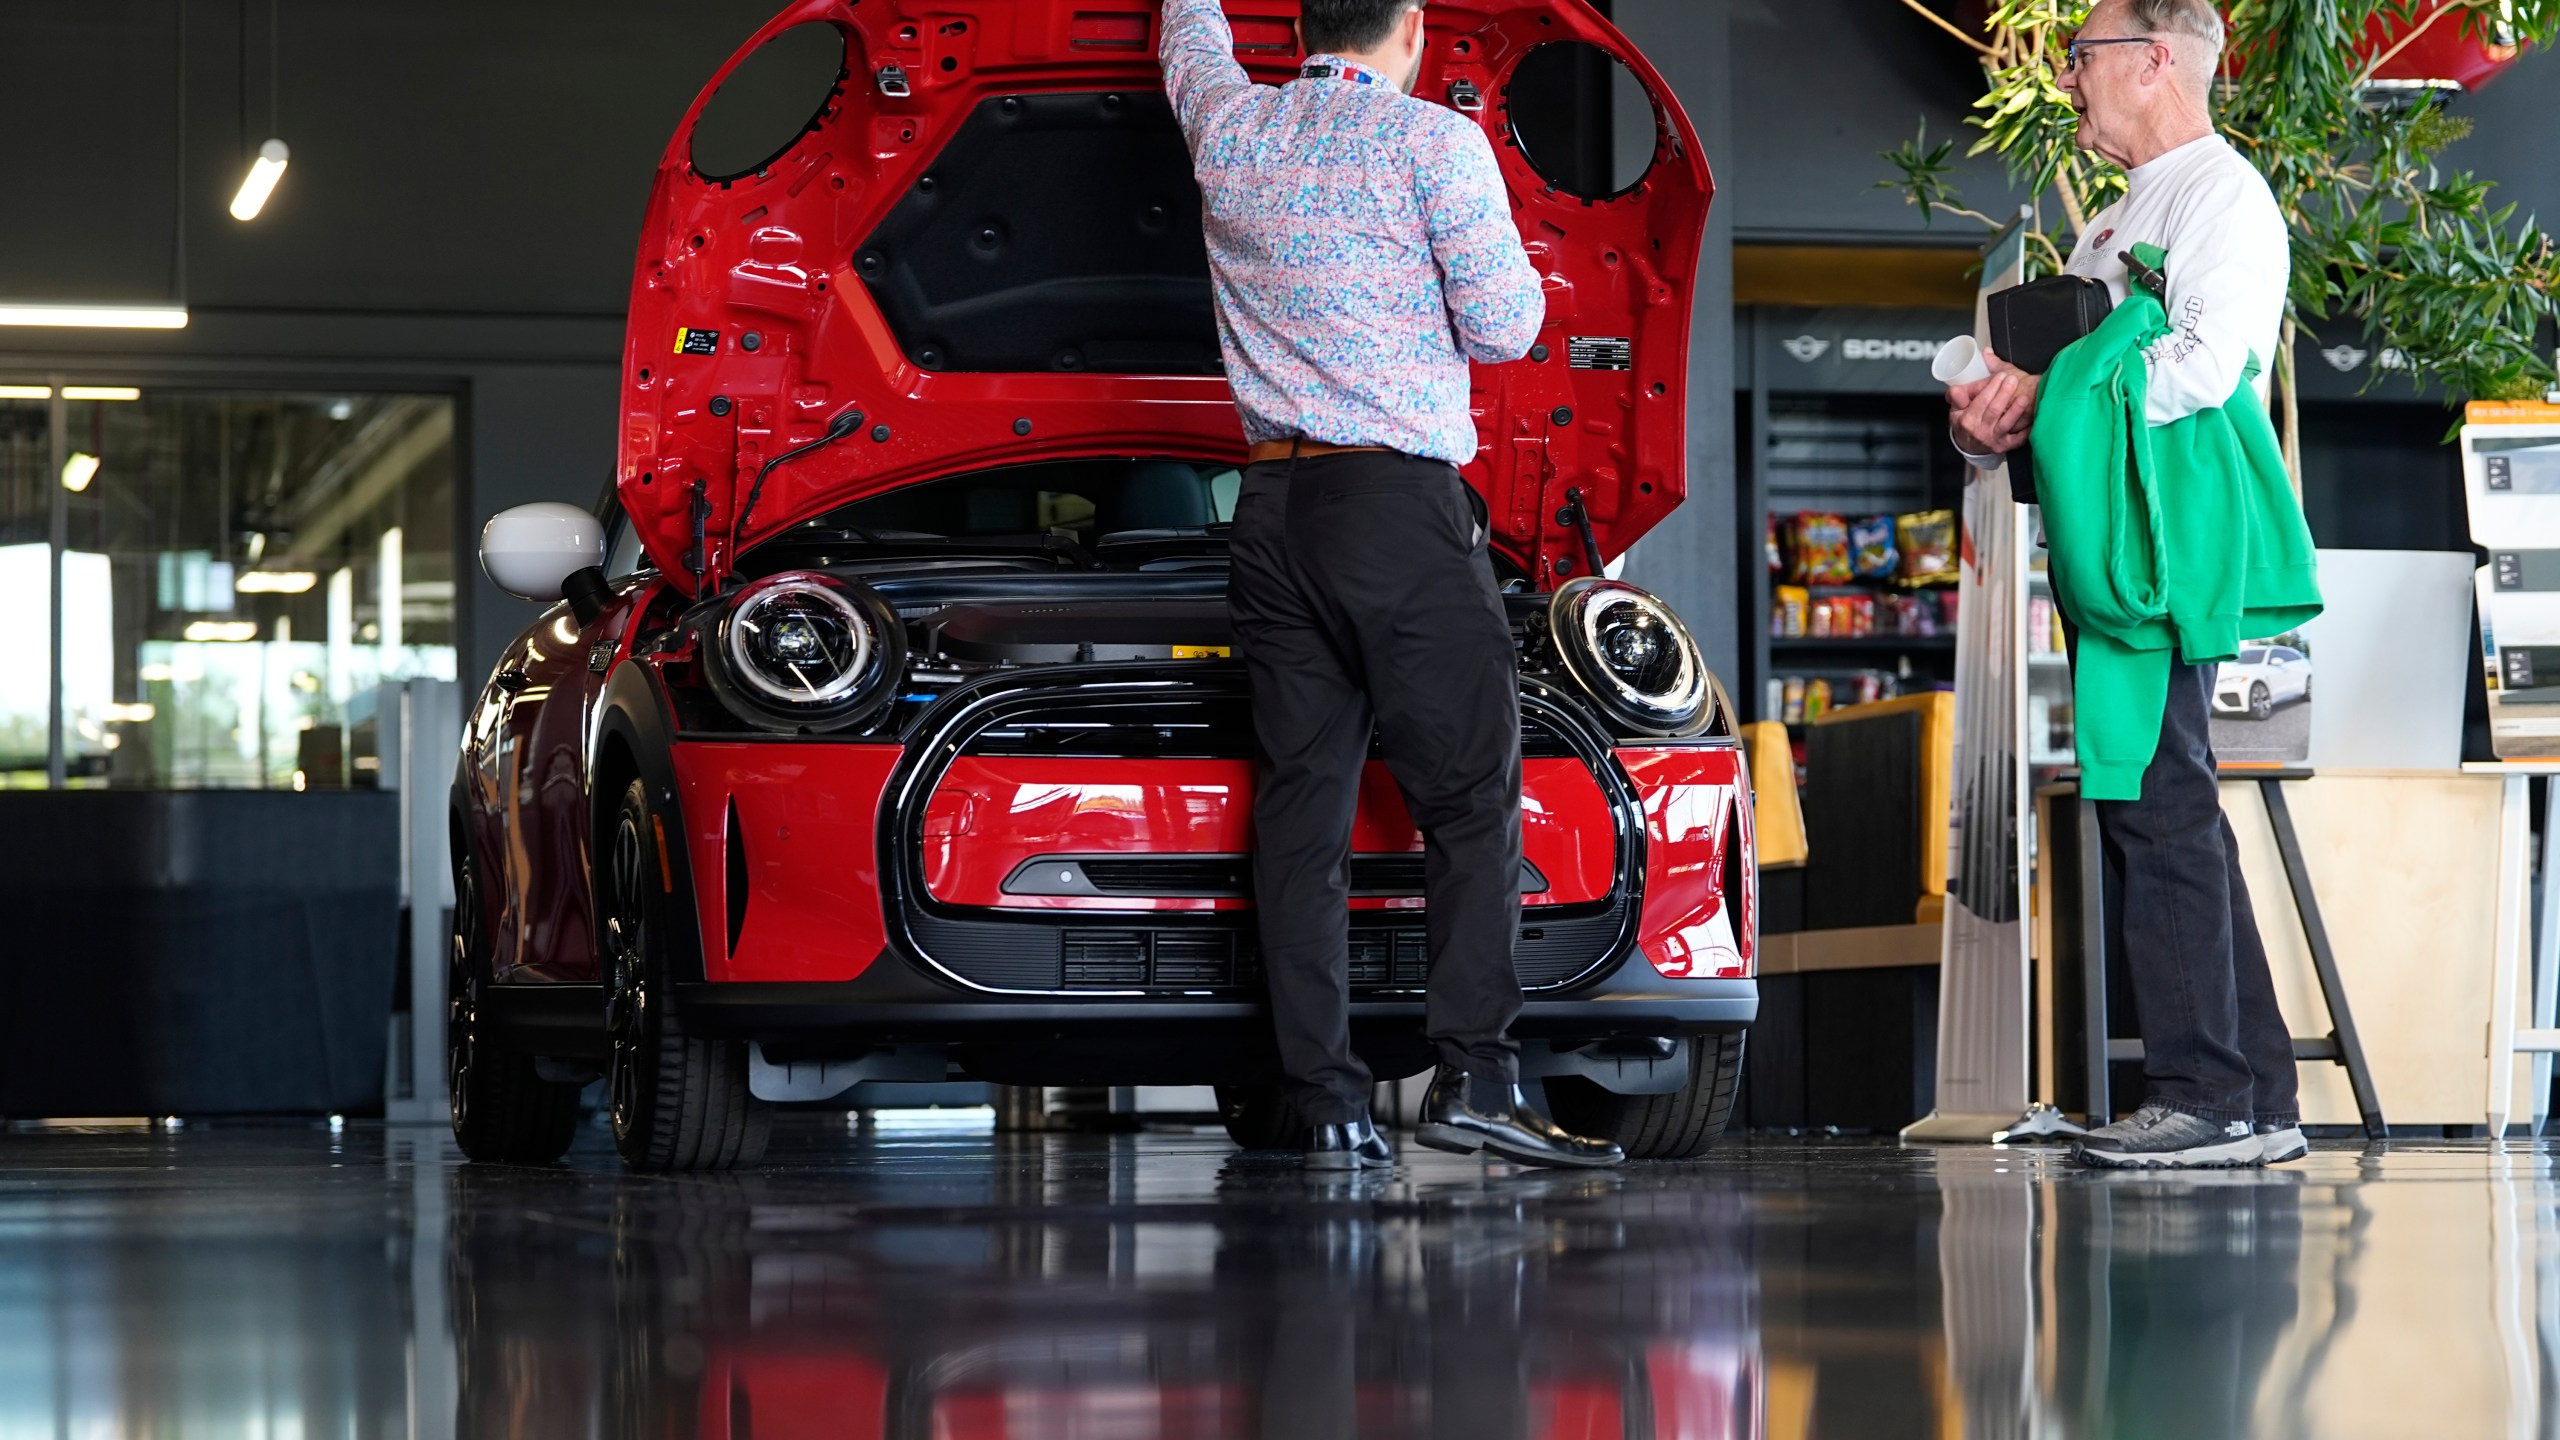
(1304, 449)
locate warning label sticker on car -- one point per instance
(1600, 352)
(1199, 652)
(697, 342)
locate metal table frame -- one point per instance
(2340, 1045)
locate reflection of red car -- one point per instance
(891, 737)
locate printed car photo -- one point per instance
(2260, 678)
(885, 727)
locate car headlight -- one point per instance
(804, 651)
(1633, 655)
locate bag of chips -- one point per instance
(1871, 552)
(1928, 547)
(1819, 550)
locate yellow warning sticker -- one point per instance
(697, 342)
(1199, 652)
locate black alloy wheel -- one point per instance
(2261, 703)
(1677, 1126)
(503, 1110)
(677, 1101)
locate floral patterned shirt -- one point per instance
(1360, 243)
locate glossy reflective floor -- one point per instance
(285, 1282)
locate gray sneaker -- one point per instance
(2280, 1143)
(2156, 1137)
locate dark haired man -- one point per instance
(1363, 251)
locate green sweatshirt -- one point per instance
(2184, 537)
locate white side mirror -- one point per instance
(531, 549)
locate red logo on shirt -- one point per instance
(2101, 242)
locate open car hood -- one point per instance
(986, 241)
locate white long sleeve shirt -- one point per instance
(2230, 261)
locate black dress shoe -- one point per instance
(1354, 1145)
(1465, 1113)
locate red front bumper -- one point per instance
(785, 843)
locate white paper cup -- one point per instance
(1960, 362)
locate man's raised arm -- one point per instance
(1495, 303)
(1199, 57)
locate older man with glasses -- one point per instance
(2217, 1053)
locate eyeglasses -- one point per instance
(2071, 49)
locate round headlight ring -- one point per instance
(1628, 651)
(804, 650)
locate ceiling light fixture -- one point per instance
(261, 180)
(106, 317)
(275, 582)
(101, 392)
(231, 632)
(78, 471)
(26, 392)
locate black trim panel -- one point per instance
(562, 1020)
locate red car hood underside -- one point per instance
(761, 309)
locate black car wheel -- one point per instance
(502, 1109)
(2261, 704)
(679, 1101)
(1677, 1126)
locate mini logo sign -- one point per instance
(1807, 348)
(697, 342)
(2343, 358)
(1887, 349)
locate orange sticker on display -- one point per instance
(2511, 412)
(1199, 652)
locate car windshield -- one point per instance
(1086, 501)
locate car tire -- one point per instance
(2261, 704)
(677, 1100)
(503, 1110)
(1260, 1117)
(1677, 1126)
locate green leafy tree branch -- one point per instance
(2384, 236)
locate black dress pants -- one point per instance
(1364, 599)
(2214, 1044)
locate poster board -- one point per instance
(2511, 486)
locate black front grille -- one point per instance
(1051, 954)
(1211, 876)
(1171, 875)
(1105, 959)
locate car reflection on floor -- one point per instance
(1064, 1299)
(278, 1280)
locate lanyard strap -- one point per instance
(1329, 67)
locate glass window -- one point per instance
(239, 572)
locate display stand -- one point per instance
(1983, 993)
(2521, 942)
(2340, 1045)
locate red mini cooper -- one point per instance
(885, 729)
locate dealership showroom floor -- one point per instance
(928, 1278)
(688, 748)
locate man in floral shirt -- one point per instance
(1363, 252)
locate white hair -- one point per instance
(2196, 21)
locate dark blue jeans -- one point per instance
(2213, 1042)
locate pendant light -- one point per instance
(267, 166)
